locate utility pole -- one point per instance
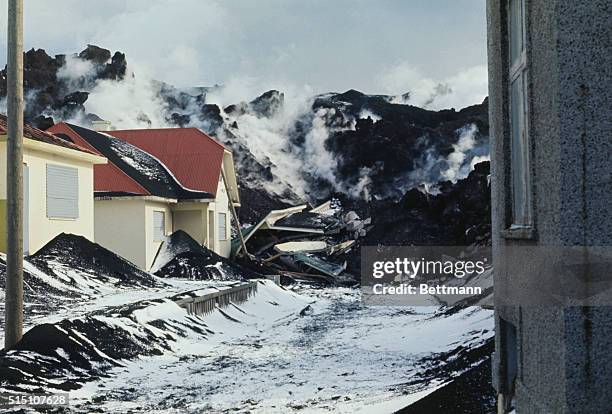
(14, 259)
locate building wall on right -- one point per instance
(553, 359)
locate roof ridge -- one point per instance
(109, 162)
(171, 129)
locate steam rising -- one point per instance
(467, 86)
(138, 101)
(466, 153)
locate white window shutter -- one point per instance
(62, 192)
(222, 226)
(159, 225)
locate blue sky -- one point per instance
(377, 46)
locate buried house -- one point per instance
(159, 181)
(58, 185)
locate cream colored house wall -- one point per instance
(125, 226)
(41, 229)
(222, 247)
(192, 217)
(152, 246)
(120, 227)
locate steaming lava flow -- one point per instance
(287, 147)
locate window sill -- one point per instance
(63, 218)
(519, 233)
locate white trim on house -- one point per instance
(64, 152)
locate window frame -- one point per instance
(222, 236)
(518, 71)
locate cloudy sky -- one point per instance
(376, 46)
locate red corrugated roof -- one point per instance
(107, 177)
(42, 136)
(193, 157)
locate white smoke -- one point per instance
(136, 102)
(366, 113)
(456, 160)
(76, 72)
(434, 167)
(408, 85)
(131, 103)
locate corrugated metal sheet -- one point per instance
(62, 192)
(193, 157)
(107, 177)
(42, 136)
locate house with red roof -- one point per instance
(58, 182)
(158, 181)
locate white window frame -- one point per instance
(57, 195)
(520, 171)
(159, 233)
(222, 226)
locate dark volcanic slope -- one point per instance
(396, 143)
(459, 215)
(363, 147)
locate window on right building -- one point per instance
(519, 119)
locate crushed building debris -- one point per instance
(304, 244)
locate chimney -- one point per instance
(101, 125)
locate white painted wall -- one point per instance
(42, 228)
(120, 227)
(152, 246)
(191, 218)
(222, 247)
(126, 226)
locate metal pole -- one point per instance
(14, 259)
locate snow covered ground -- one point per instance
(316, 351)
(112, 336)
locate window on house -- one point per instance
(519, 122)
(159, 225)
(62, 192)
(222, 226)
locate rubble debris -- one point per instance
(341, 247)
(306, 245)
(309, 222)
(355, 224)
(180, 256)
(325, 208)
(301, 246)
(323, 266)
(268, 222)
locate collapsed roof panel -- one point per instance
(301, 246)
(323, 266)
(309, 220)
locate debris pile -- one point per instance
(68, 257)
(180, 256)
(302, 244)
